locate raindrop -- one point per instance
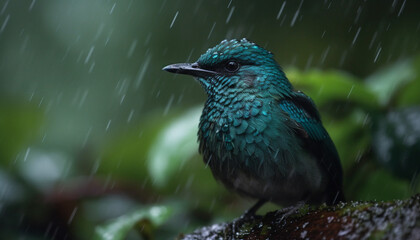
(296, 14)
(230, 14)
(281, 10)
(342, 58)
(132, 48)
(107, 125)
(89, 54)
(142, 71)
(83, 98)
(394, 3)
(40, 102)
(402, 8)
(26, 154)
(79, 57)
(357, 35)
(309, 62)
(366, 119)
(228, 6)
(211, 30)
(359, 11)
(324, 54)
(283, 19)
(173, 20)
(4, 7)
(149, 36)
(197, 7)
(130, 116)
(32, 5)
(3, 26)
(32, 95)
(95, 166)
(122, 99)
(87, 136)
(351, 90)
(108, 37)
(377, 54)
(112, 8)
(168, 106)
(99, 31)
(190, 55)
(72, 215)
(373, 40)
(91, 67)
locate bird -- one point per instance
(260, 136)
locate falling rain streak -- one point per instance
(357, 35)
(89, 54)
(292, 23)
(32, 5)
(3, 26)
(142, 71)
(132, 48)
(377, 54)
(402, 8)
(281, 10)
(230, 14)
(211, 30)
(88, 100)
(173, 20)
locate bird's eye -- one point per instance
(232, 66)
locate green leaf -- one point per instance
(19, 125)
(409, 94)
(326, 86)
(379, 184)
(175, 144)
(125, 156)
(352, 129)
(145, 219)
(387, 82)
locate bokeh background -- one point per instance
(97, 142)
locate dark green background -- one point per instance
(83, 100)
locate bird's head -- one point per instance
(238, 65)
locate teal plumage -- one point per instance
(259, 136)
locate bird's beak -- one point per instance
(190, 69)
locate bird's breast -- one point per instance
(235, 133)
(250, 146)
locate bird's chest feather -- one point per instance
(244, 133)
(250, 146)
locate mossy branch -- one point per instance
(399, 219)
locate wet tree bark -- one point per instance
(399, 219)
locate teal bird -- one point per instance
(259, 136)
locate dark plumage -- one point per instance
(259, 136)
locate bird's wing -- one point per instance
(301, 109)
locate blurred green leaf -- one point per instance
(326, 86)
(387, 82)
(176, 143)
(409, 94)
(143, 220)
(125, 156)
(373, 183)
(19, 123)
(345, 131)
